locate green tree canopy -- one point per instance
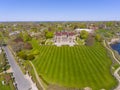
(98, 37)
(30, 57)
(84, 34)
(49, 34)
(22, 55)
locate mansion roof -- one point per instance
(64, 33)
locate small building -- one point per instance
(14, 33)
(81, 29)
(64, 38)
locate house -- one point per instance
(64, 38)
(14, 33)
(78, 30)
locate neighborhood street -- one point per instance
(22, 82)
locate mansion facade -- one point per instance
(64, 38)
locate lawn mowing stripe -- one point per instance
(38, 62)
(61, 71)
(50, 62)
(100, 74)
(47, 59)
(44, 59)
(102, 61)
(75, 68)
(81, 60)
(67, 65)
(71, 66)
(80, 56)
(89, 63)
(76, 58)
(98, 60)
(107, 75)
(53, 65)
(90, 68)
(92, 63)
(105, 58)
(45, 62)
(87, 68)
(57, 66)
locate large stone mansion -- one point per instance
(64, 38)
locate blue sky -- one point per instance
(59, 10)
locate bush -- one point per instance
(98, 38)
(35, 52)
(49, 34)
(84, 34)
(30, 57)
(43, 42)
(28, 46)
(22, 55)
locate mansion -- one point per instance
(64, 38)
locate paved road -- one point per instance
(22, 82)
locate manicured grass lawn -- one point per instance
(78, 66)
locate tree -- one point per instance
(28, 46)
(98, 37)
(49, 34)
(84, 34)
(60, 28)
(27, 37)
(22, 55)
(30, 57)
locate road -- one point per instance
(22, 82)
(116, 71)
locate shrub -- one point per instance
(28, 46)
(22, 55)
(84, 34)
(30, 57)
(49, 34)
(35, 52)
(98, 37)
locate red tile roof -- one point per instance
(64, 33)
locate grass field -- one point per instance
(79, 66)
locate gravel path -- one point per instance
(37, 76)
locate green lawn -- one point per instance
(78, 66)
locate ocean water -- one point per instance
(116, 47)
